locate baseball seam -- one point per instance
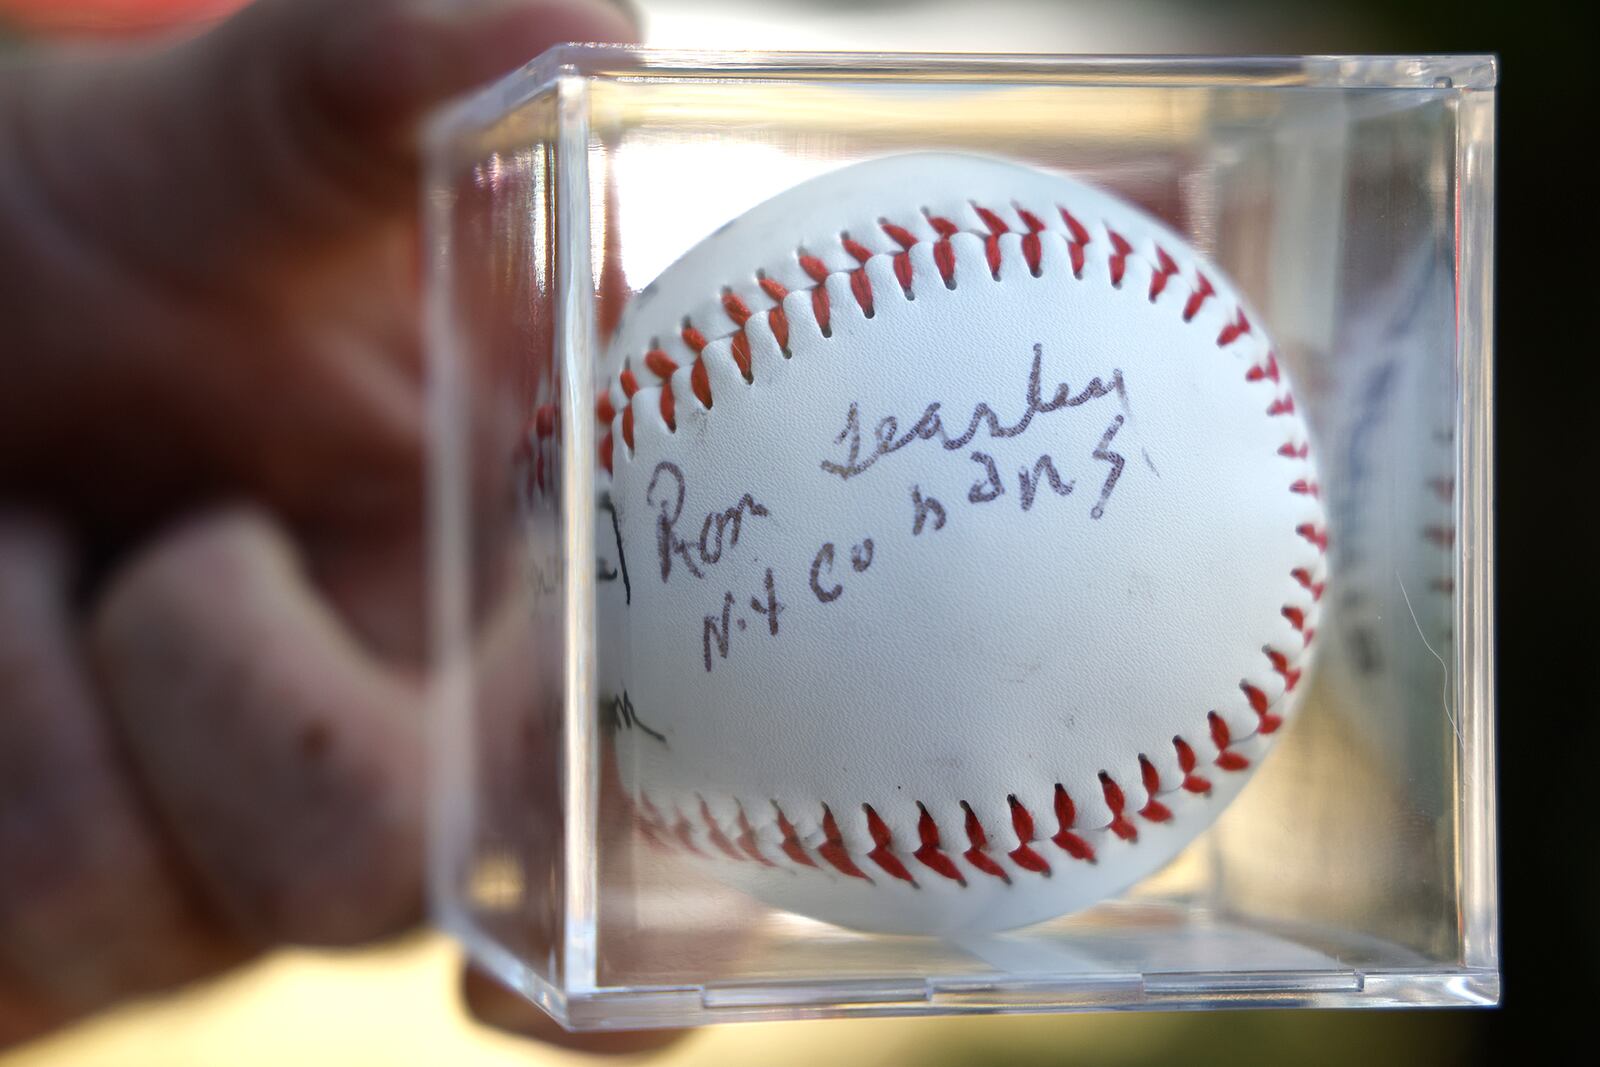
(700, 831)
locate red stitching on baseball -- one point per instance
(1193, 782)
(660, 364)
(978, 854)
(1165, 269)
(1313, 534)
(861, 289)
(1120, 250)
(737, 309)
(944, 253)
(544, 420)
(902, 272)
(833, 848)
(647, 832)
(930, 852)
(1222, 738)
(991, 243)
(715, 835)
(944, 257)
(739, 348)
(1066, 819)
(1280, 664)
(1234, 330)
(685, 834)
(1033, 222)
(1078, 231)
(1202, 292)
(650, 821)
(1076, 242)
(1307, 582)
(778, 319)
(821, 311)
(996, 224)
(1022, 826)
(700, 382)
(1153, 809)
(991, 253)
(898, 234)
(883, 847)
(532, 450)
(1259, 704)
(1263, 371)
(747, 841)
(772, 287)
(1032, 246)
(791, 845)
(668, 410)
(1116, 802)
(653, 813)
(663, 366)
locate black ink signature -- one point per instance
(923, 508)
(1044, 472)
(620, 715)
(1104, 453)
(718, 632)
(930, 426)
(546, 576)
(860, 560)
(719, 530)
(621, 569)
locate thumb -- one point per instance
(277, 135)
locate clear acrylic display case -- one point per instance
(1349, 198)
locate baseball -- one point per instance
(963, 548)
(1391, 458)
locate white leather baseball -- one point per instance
(973, 547)
(1391, 460)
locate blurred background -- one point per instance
(397, 1004)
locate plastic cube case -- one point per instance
(1349, 200)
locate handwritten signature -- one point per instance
(719, 530)
(930, 426)
(682, 544)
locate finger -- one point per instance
(283, 762)
(494, 1004)
(282, 132)
(92, 906)
(375, 580)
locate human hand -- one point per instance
(209, 488)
